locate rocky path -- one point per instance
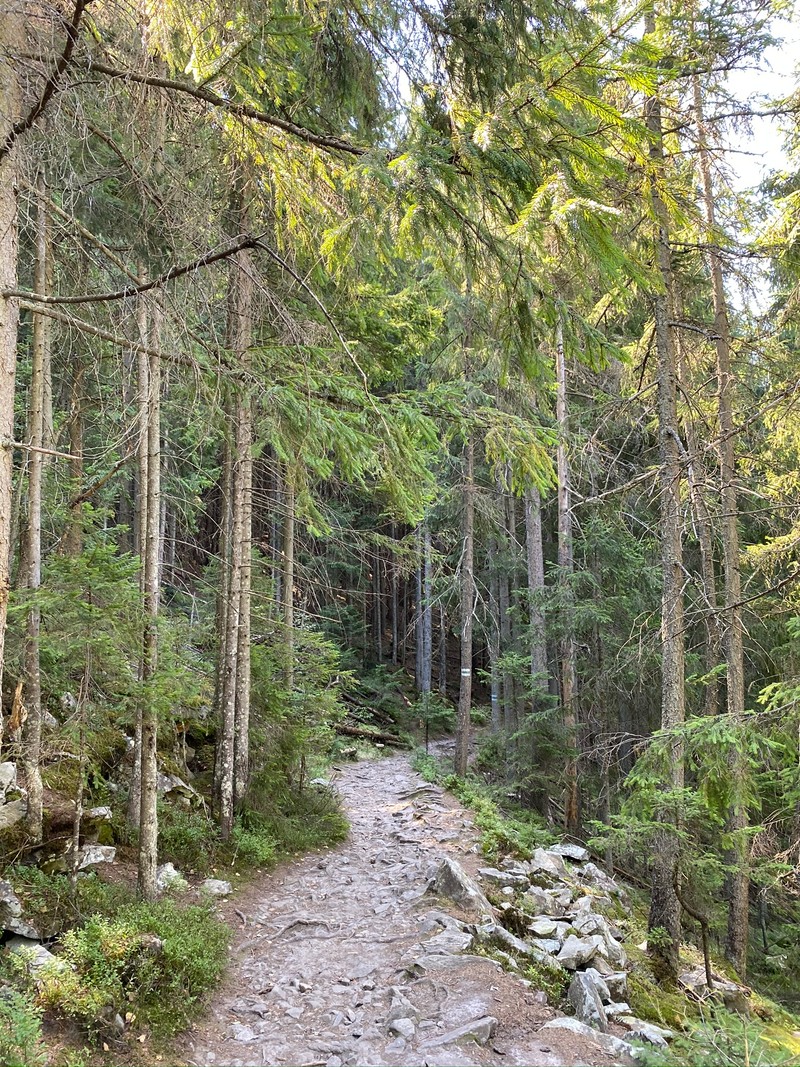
(345, 958)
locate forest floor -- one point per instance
(328, 950)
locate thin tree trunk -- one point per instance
(665, 910)
(467, 599)
(733, 638)
(140, 529)
(12, 44)
(494, 654)
(442, 680)
(419, 635)
(427, 613)
(566, 564)
(148, 817)
(32, 733)
(288, 580)
(395, 607)
(535, 560)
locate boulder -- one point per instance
(401, 1007)
(168, 878)
(449, 941)
(480, 1030)
(35, 956)
(544, 927)
(453, 882)
(615, 1046)
(498, 935)
(588, 923)
(91, 855)
(503, 878)
(617, 983)
(561, 897)
(542, 901)
(649, 1033)
(175, 788)
(403, 1028)
(600, 984)
(13, 813)
(550, 945)
(549, 862)
(584, 996)
(11, 913)
(616, 1008)
(216, 887)
(576, 853)
(577, 951)
(592, 875)
(8, 779)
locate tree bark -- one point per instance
(288, 579)
(467, 599)
(535, 561)
(566, 565)
(427, 613)
(32, 733)
(12, 45)
(664, 924)
(148, 814)
(733, 638)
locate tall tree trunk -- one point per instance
(12, 45)
(665, 911)
(733, 638)
(467, 599)
(395, 607)
(32, 734)
(566, 565)
(148, 814)
(288, 579)
(535, 561)
(494, 654)
(427, 613)
(243, 336)
(140, 527)
(442, 679)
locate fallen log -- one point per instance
(370, 735)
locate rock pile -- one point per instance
(561, 896)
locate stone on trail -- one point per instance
(549, 862)
(503, 878)
(543, 902)
(576, 951)
(403, 1027)
(481, 1030)
(576, 853)
(584, 996)
(543, 927)
(216, 887)
(600, 984)
(615, 1046)
(616, 1008)
(453, 882)
(240, 1032)
(448, 941)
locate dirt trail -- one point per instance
(338, 945)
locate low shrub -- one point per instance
(21, 1042)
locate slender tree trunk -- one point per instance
(12, 45)
(32, 733)
(665, 910)
(427, 613)
(419, 635)
(467, 599)
(395, 607)
(148, 817)
(566, 564)
(242, 336)
(140, 529)
(494, 654)
(288, 579)
(739, 877)
(442, 679)
(535, 560)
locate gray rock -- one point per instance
(549, 862)
(401, 1007)
(561, 897)
(543, 927)
(503, 878)
(168, 878)
(613, 1045)
(35, 956)
(49, 720)
(588, 923)
(600, 984)
(13, 813)
(448, 941)
(639, 1030)
(576, 853)
(11, 913)
(453, 882)
(498, 935)
(101, 814)
(576, 951)
(543, 902)
(8, 779)
(403, 1028)
(168, 784)
(481, 1030)
(584, 996)
(91, 855)
(550, 945)
(616, 1008)
(216, 887)
(592, 875)
(240, 1032)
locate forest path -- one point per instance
(339, 944)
